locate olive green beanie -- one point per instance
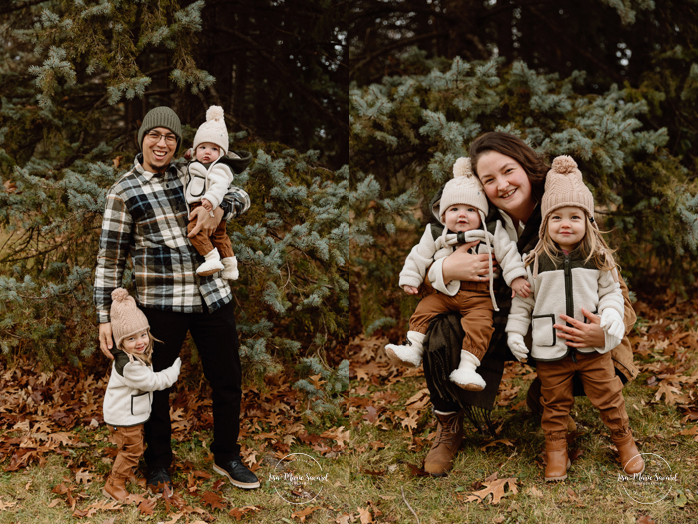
(162, 116)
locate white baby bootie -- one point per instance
(212, 264)
(465, 376)
(231, 268)
(410, 354)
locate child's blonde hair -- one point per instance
(592, 246)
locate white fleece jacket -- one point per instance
(129, 396)
(210, 183)
(430, 252)
(555, 291)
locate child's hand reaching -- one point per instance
(207, 205)
(410, 290)
(521, 287)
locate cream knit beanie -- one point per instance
(564, 187)
(126, 318)
(213, 130)
(463, 188)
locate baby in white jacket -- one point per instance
(127, 401)
(207, 183)
(462, 210)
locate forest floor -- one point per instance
(365, 465)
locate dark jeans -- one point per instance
(217, 342)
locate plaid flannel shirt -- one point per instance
(146, 217)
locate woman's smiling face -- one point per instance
(505, 181)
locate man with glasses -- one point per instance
(146, 217)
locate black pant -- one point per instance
(216, 340)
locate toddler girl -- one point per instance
(128, 397)
(572, 268)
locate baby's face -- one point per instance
(207, 152)
(460, 217)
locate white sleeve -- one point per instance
(436, 278)
(610, 294)
(507, 255)
(418, 260)
(138, 375)
(219, 179)
(521, 309)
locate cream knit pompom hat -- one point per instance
(126, 318)
(213, 130)
(564, 187)
(463, 188)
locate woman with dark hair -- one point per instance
(513, 177)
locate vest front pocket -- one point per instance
(140, 404)
(543, 333)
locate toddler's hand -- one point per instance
(517, 345)
(521, 287)
(410, 290)
(207, 205)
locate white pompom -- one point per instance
(462, 167)
(564, 165)
(214, 113)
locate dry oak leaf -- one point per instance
(495, 442)
(670, 393)
(174, 519)
(365, 516)
(344, 518)
(5, 505)
(302, 514)
(645, 519)
(213, 500)
(239, 512)
(337, 434)
(535, 492)
(83, 476)
(495, 488)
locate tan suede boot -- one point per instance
(556, 460)
(449, 433)
(115, 488)
(630, 458)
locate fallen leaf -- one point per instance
(239, 512)
(213, 500)
(645, 519)
(504, 441)
(302, 514)
(494, 488)
(365, 516)
(535, 492)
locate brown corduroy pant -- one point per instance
(474, 304)
(601, 385)
(205, 244)
(130, 442)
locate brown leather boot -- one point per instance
(630, 458)
(449, 433)
(556, 460)
(115, 488)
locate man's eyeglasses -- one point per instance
(155, 137)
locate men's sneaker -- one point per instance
(159, 482)
(238, 474)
